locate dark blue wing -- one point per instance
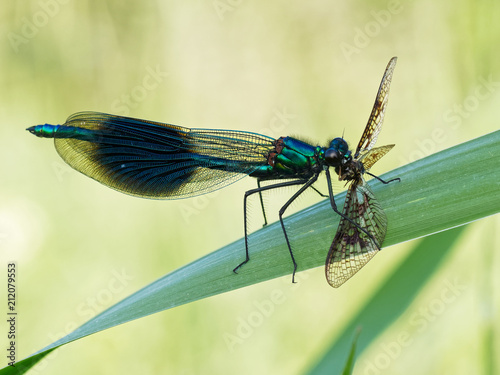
(155, 160)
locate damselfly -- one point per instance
(162, 161)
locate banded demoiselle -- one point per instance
(162, 161)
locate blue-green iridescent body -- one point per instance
(292, 157)
(163, 161)
(61, 131)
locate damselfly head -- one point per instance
(337, 154)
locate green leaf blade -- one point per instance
(442, 191)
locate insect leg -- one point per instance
(262, 203)
(383, 181)
(282, 211)
(259, 190)
(319, 192)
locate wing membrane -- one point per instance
(351, 248)
(376, 118)
(156, 160)
(374, 155)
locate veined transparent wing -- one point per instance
(156, 160)
(376, 118)
(351, 248)
(372, 156)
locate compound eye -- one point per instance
(333, 157)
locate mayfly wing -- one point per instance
(372, 156)
(376, 118)
(351, 248)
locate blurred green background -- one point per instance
(278, 68)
